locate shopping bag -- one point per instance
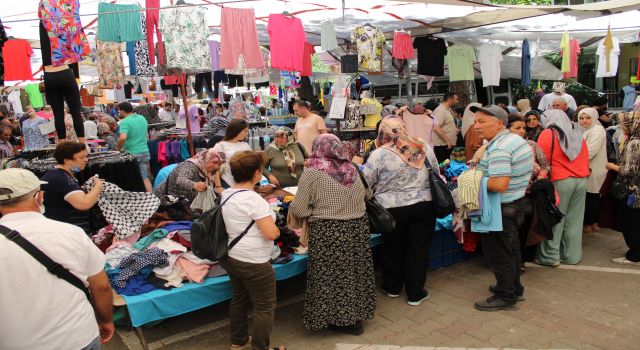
(204, 200)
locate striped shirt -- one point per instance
(509, 155)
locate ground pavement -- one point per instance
(593, 305)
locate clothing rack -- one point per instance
(160, 126)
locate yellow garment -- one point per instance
(608, 46)
(566, 53)
(371, 120)
(468, 190)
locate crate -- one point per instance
(445, 250)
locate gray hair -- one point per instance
(14, 201)
(560, 100)
(109, 120)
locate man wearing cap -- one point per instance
(547, 101)
(39, 309)
(508, 163)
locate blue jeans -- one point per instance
(94, 345)
(143, 164)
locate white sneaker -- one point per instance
(416, 303)
(390, 295)
(623, 261)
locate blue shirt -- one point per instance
(629, 97)
(509, 155)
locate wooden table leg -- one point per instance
(143, 341)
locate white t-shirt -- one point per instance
(613, 59)
(40, 310)
(238, 213)
(14, 100)
(229, 150)
(490, 56)
(546, 102)
(165, 116)
(90, 130)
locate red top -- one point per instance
(17, 65)
(307, 68)
(561, 167)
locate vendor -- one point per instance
(285, 159)
(192, 176)
(64, 199)
(233, 142)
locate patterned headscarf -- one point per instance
(630, 150)
(288, 150)
(202, 158)
(393, 136)
(328, 156)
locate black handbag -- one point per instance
(441, 197)
(618, 190)
(380, 220)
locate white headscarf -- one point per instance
(468, 118)
(569, 134)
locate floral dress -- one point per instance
(185, 39)
(33, 139)
(61, 20)
(370, 43)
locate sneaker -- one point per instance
(494, 304)
(389, 294)
(355, 329)
(553, 264)
(492, 289)
(624, 261)
(418, 302)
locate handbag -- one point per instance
(443, 203)
(380, 220)
(618, 190)
(52, 266)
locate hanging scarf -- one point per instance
(468, 117)
(630, 150)
(328, 157)
(569, 136)
(608, 47)
(393, 136)
(288, 150)
(201, 159)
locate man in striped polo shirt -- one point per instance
(508, 162)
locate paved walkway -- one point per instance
(593, 305)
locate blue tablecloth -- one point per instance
(161, 304)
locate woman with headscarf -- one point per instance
(192, 176)
(629, 175)
(471, 141)
(533, 127)
(568, 156)
(596, 138)
(397, 174)
(340, 281)
(524, 105)
(285, 159)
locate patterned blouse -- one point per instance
(370, 43)
(394, 182)
(33, 139)
(181, 181)
(62, 21)
(185, 38)
(321, 197)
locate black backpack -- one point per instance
(209, 237)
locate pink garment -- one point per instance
(429, 79)
(574, 47)
(307, 69)
(402, 46)
(171, 80)
(239, 36)
(419, 126)
(194, 272)
(162, 154)
(153, 21)
(44, 115)
(287, 39)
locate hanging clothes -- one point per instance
(142, 60)
(193, 118)
(402, 47)
(260, 75)
(287, 40)
(349, 63)
(307, 67)
(431, 53)
(372, 119)
(370, 44)
(525, 64)
(574, 51)
(608, 51)
(3, 39)
(490, 57)
(17, 60)
(119, 23)
(239, 36)
(214, 53)
(565, 52)
(328, 40)
(152, 24)
(61, 21)
(110, 66)
(185, 34)
(460, 59)
(35, 96)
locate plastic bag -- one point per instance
(204, 200)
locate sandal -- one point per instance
(246, 346)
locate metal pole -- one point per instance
(186, 114)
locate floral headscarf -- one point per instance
(630, 150)
(393, 136)
(328, 156)
(202, 158)
(288, 150)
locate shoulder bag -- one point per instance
(443, 203)
(380, 220)
(52, 266)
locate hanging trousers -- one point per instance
(502, 251)
(566, 245)
(238, 35)
(405, 251)
(61, 87)
(630, 219)
(204, 79)
(153, 23)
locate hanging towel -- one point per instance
(491, 219)
(125, 211)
